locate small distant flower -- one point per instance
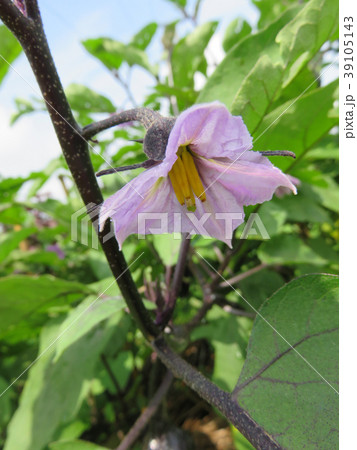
(207, 168)
(56, 249)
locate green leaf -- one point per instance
(297, 124)
(55, 389)
(26, 300)
(112, 53)
(44, 176)
(23, 106)
(311, 27)
(122, 365)
(240, 442)
(10, 49)
(9, 241)
(75, 444)
(288, 249)
(328, 196)
(169, 35)
(224, 83)
(258, 91)
(143, 38)
(303, 207)
(258, 287)
(9, 187)
(228, 335)
(167, 246)
(270, 11)
(5, 402)
(93, 310)
(85, 100)
(188, 54)
(235, 32)
(260, 80)
(286, 390)
(179, 3)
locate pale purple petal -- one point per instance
(251, 179)
(211, 131)
(232, 177)
(148, 205)
(135, 196)
(282, 190)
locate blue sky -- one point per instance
(31, 143)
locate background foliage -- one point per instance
(96, 378)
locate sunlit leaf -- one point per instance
(10, 49)
(236, 31)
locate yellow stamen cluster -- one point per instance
(185, 180)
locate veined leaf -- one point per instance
(288, 384)
(25, 301)
(298, 124)
(188, 54)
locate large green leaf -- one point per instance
(56, 388)
(188, 54)
(112, 53)
(298, 124)
(288, 249)
(270, 11)
(236, 30)
(311, 27)
(258, 91)
(9, 241)
(10, 49)
(229, 337)
(289, 381)
(258, 80)
(299, 41)
(83, 99)
(224, 83)
(26, 300)
(258, 287)
(85, 317)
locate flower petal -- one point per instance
(251, 179)
(148, 205)
(137, 195)
(211, 131)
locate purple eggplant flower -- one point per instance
(207, 176)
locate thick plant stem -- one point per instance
(29, 31)
(222, 400)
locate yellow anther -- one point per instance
(176, 186)
(193, 176)
(186, 180)
(180, 173)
